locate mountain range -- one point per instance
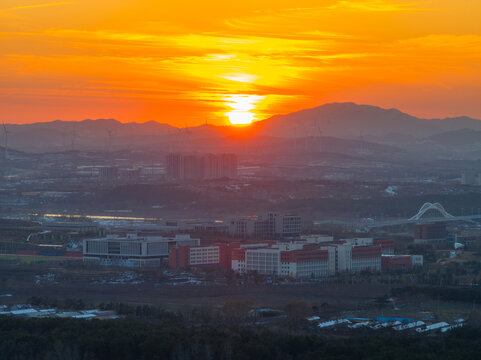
(346, 122)
(350, 120)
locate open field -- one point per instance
(25, 280)
(177, 297)
(22, 281)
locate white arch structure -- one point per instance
(431, 206)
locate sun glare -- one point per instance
(242, 108)
(240, 117)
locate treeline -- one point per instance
(145, 311)
(70, 339)
(234, 311)
(53, 302)
(440, 293)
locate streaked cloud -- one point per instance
(39, 5)
(181, 63)
(376, 5)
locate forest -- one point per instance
(171, 338)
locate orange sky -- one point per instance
(191, 62)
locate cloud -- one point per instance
(375, 6)
(468, 44)
(293, 23)
(39, 5)
(285, 55)
(104, 35)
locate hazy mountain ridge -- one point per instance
(331, 122)
(458, 137)
(352, 120)
(62, 135)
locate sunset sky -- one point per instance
(191, 62)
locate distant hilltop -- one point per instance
(352, 120)
(335, 120)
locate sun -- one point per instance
(240, 117)
(242, 108)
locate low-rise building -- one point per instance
(267, 226)
(308, 263)
(417, 261)
(216, 255)
(401, 263)
(396, 263)
(366, 258)
(132, 250)
(311, 257)
(431, 233)
(387, 245)
(308, 257)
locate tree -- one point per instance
(474, 319)
(297, 311)
(236, 311)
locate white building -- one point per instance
(132, 250)
(285, 259)
(308, 258)
(359, 241)
(417, 260)
(263, 261)
(344, 257)
(204, 255)
(366, 258)
(309, 263)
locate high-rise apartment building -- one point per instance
(108, 173)
(198, 167)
